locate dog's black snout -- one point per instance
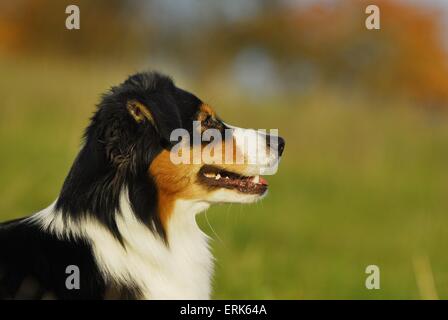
(281, 145)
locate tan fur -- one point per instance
(205, 111)
(173, 182)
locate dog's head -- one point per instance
(162, 144)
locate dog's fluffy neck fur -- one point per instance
(179, 268)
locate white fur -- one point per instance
(260, 158)
(181, 270)
(233, 196)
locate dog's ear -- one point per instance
(139, 112)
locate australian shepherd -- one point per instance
(123, 225)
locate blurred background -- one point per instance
(364, 176)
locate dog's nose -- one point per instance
(281, 145)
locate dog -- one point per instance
(123, 225)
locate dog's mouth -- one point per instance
(219, 178)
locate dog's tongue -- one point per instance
(263, 181)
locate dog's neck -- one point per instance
(180, 268)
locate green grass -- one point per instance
(361, 183)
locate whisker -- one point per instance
(213, 230)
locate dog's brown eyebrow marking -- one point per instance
(139, 111)
(205, 111)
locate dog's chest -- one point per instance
(181, 270)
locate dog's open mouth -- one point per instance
(219, 178)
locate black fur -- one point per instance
(116, 155)
(118, 151)
(33, 265)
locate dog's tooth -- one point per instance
(218, 176)
(227, 178)
(209, 175)
(256, 179)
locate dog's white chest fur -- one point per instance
(180, 270)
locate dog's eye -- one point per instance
(208, 121)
